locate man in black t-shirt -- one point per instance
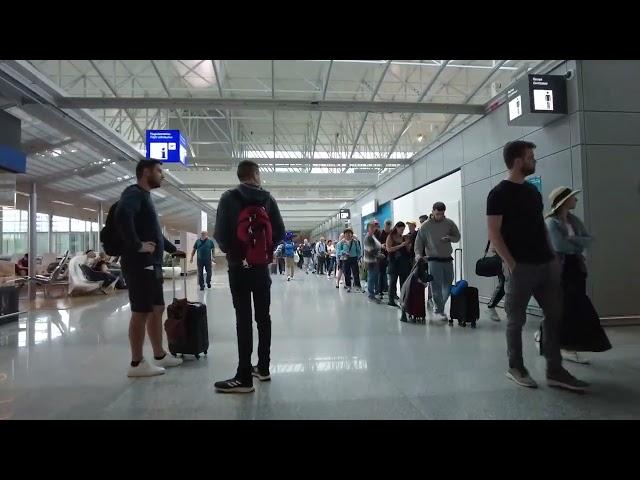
(518, 233)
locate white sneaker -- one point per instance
(145, 369)
(348, 289)
(573, 357)
(168, 361)
(288, 279)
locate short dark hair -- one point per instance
(145, 164)
(399, 224)
(439, 206)
(247, 169)
(348, 230)
(423, 218)
(515, 149)
(90, 250)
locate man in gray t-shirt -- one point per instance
(434, 241)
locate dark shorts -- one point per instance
(145, 289)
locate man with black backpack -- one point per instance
(133, 231)
(248, 224)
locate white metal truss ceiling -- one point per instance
(297, 147)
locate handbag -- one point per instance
(296, 257)
(488, 266)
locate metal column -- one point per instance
(100, 217)
(33, 239)
(51, 233)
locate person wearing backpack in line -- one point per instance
(279, 255)
(289, 254)
(248, 224)
(132, 229)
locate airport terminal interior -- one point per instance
(342, 146)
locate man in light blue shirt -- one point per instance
(350, 250)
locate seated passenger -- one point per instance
(22, 266)
(93, 275)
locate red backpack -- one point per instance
(255, 236)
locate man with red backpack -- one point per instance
(248, 225)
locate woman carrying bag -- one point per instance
(580, 328)
(399, 261)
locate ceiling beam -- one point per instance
(226, 113)
(216, 161)
(473, 93)
(270, 186)
(168, 92)
(115, 94)
(366, 114)
(281, 200)
(324, 96)
(422, 97)
(265, 104)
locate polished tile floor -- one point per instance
(334, 356)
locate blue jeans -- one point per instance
(373, 273)
(442, 279)
(206, 265)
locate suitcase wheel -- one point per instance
(473, 324)
(197, 355)
(451, 322)
(205, 353)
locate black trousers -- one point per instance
(498, 293)
(321, 262)
(350, 267)
(204, 266)
(383, 281)
(397, 269)
(246, 283)
(281, 265)
(104, 277)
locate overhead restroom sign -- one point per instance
(537, 100)
(167, 146)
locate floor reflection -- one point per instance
(322, 364)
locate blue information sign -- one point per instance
(167, 146)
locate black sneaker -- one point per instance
(202, 289)
(234, 385)
(208, 285)
(263, 376)
(391, 303)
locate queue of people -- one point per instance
(540, 259)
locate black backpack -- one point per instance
(109, 236)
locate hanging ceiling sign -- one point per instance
(168, 146)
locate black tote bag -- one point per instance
(488, 266)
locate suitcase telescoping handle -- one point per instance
(455, 265)
(184, 274)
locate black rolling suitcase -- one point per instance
(186, 324)
(465, 307)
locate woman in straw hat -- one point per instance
(580, 329)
